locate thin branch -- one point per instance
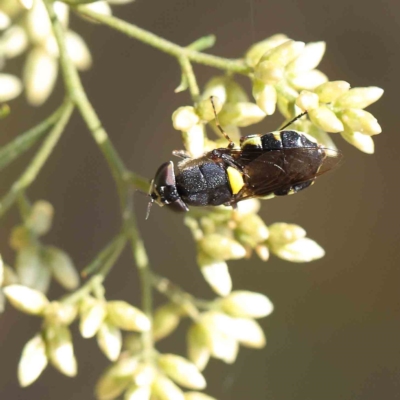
(40, 158)
(26, 140)
(236, 66)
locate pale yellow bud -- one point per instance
(181, 371)
(193, 140)
(185, 118)
(27, 300)
(216, 274)
(144, 375)
(302, 250)
(204, 108)
(92, 318)
(14, 41)
(308, 80)
(309, 58)
(282, 233)
(60, 349)
(138, 393)
(360, 141)
(109, 339)
(326, 119)
(40, 73)
(60, 313)
(165, 321)
(254, 227)
(221, 247)
(62, 267)
(262, 252)
(284, 53)
(33, 361)
(330, 91)
(255, 52)
(269, 72)
(359, 97)
(265, 96)
(21, 237)
(127, 317)
(78, 51)
(10, 87)
(37, 22)
(4, 20)
(307, 100)
(361, 121)
(246, 304)
(41, 217)
(248, 333)
(164, 389)
(216, 87)
(99, 7)
(241, 114)
(197, 346)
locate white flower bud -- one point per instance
(308, 80)
(216, 274)
(99, 7)
(62, 267)
(309, 58)
(127, 317)
(265, 96)
(330, 91)
(193, 140)
(307, 100)
(302, 250)
(78, 51)
(359, 97)
(164, 389)
(14, 41)
(221, 247)
(246, 304)
(269, 72)
(40, 73)
(197, 346)
(255, 52)
(27, 300)
(33, 361)
(92, 318)
(38, 22)
(60, 349)
(165, 321)
(284, 53)
(10, 87)
(138, 393)
(326, 119)
(282, 233)
(185, 118)
(4, 20)
(182, 371)
(109, 339)
(248, 333)
(241, 114)
(40, 218)
(361, 121)
(360, 141)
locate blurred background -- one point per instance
(335, 330)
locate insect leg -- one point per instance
(231, 144)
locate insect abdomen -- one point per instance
(204, 184)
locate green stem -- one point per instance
(33, 169)
(187, 71)
(166, 46)
(121, 175)
(26, 140)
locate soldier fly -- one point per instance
(266, 165)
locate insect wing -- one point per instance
(279, 171)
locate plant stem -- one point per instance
(236, 66)
(33, 169)
(26, 140)
(120, 174)
(187, 71)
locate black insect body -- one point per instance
(277, 163)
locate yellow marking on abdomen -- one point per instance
(235, 179)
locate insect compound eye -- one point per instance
(165, 175)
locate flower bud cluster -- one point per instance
(222, 236)
(159, 378)
(36, 263)
(229, 323)
(285, 75)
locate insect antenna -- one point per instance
(231, 143)
(293, 120)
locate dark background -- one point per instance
(335, 330)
